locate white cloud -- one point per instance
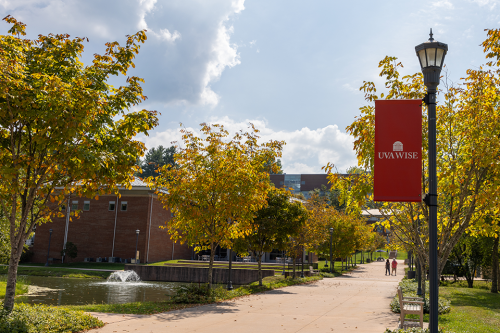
(187, 50)
(146, 7)
(350, 88)
(306, 150)
(443, 4)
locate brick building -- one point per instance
(107, 228)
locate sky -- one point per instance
(292, 68)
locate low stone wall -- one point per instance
(196, 274)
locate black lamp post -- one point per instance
(302, 262)
(229, 282)
(431, 56)
(136, 243)
(419, 279)
(48, 250)
(331, 240)
(284, 262)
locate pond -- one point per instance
(66, 291)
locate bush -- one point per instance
(193, 294)
(414, 330)
(26, 318)
(26, 255)
(409, 289)
(70, 250)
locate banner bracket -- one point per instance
(427, 199)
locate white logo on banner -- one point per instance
(398, 153)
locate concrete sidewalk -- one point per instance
(356, 302)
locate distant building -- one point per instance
(107, 228)
(301, 183)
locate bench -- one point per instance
(410, 305)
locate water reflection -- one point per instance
(64, 291)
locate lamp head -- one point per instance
(137, 231)
(431, 56)
(50, 231)
(331, 230)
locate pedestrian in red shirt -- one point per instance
(394, 266)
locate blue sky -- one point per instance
(293, 68)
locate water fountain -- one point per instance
(124, 276)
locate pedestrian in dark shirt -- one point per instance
(387, 267)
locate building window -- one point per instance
(86, 205)
(74, 205)
(281, 182)
(293, 182)
(172, 214)
(303, 182)
(63, 208)
(111, 205)
(124, 206)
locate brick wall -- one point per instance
(93, 232)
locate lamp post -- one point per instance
(284, 263)
(302, 263)
(229, 282)
(331, 240)
(419, 278)
(431, 56)
(136, 243)
(48, 250)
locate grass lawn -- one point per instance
(21, 286)
(58, 272)
(89, 265)
(472, 309)
(269, 283)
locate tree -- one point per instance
(468, 148)
(274, 167)
(63, 127)
(468, 255)
(274, 224)
(155, 158)
(216, 188)
(70, 250)
(350, 232)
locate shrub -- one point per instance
(193, 294)
(70, 250)
(40, 318)
(414, 330)
(26, 255)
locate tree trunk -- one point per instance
(211, 265)
(259, 260)
(494, 266)
(10, 290)
(294, 264)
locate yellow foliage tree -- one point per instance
(62, 126)
(468, 148)
(216, 187)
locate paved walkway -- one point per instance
(357, 302)
(80, 269)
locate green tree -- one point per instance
(63, 127)
(70, 250)
(216, 188)
(155, 158)
(274, 224)
(274, 167)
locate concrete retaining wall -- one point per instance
(195, 274)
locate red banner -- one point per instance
(398, 150)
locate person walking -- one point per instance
(394, 266)
(387, 267)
